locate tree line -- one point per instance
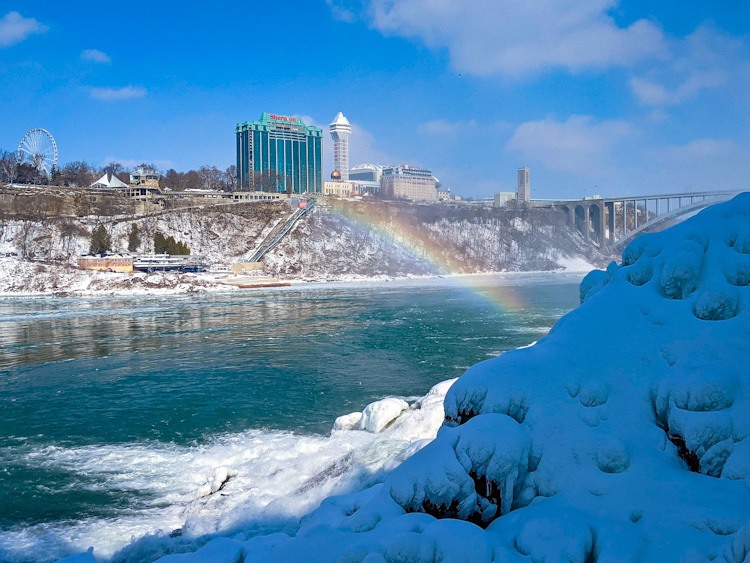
(82, 174)
(101, 242)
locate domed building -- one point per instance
(337, 187)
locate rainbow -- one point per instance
(421, 245)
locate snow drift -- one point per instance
(622, 435)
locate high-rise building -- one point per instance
(409, 182)
(279, 153)
(340, 130)
(523, 194)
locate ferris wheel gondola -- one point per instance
(38, 149)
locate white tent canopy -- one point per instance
(111, 182)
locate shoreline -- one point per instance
(205, 283)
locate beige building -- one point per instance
(144, 177)
(409, 182)
(106, 263)
(444, 195)
(502, 199)
(337, 188)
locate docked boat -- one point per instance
(169, 263)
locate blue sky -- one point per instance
(597, 97)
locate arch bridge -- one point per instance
(615, 221)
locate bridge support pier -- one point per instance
(598, 219)
(610, 213)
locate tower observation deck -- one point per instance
(340, 130)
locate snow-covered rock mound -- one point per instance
(375, 418)
(622, 435)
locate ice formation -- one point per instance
(621, 435)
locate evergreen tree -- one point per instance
(160, 243)
(177, 247)
(134, 238)
(100, 241)
(168, 245)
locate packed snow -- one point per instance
(21, 278)
(622, 435)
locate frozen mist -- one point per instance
(621, 435)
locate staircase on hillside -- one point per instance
(279, 232)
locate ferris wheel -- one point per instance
(39, 149)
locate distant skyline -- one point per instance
(601, 97)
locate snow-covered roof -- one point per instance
(340, 119)
(373, 167)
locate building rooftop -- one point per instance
(269, 121)
(340, 124)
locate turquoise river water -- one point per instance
(133, 378)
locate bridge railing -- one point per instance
(601, 215)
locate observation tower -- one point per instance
(340, 130)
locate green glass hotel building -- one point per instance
(284, 147)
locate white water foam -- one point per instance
(256, 480)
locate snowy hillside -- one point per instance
(43, 253)
(622, 435)
(378, 238)
(219, 234)
(338, 240)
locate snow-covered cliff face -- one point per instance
(220, 234)
(343, 239)
(622, 435)
(40, 256)
(379, 238)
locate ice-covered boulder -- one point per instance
(624, 434)
(380, 414)
(216, 481)
(347, 421)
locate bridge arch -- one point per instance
(595, 222)
(613, 219)
(581, 223)
(568, 218)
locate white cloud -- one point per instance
(96, 56)
(117, 94)
(652, 93)
(443, 127)
(706, 59)
(450, 128)
(700, 149)
(312, 122)
(340, 12)
(579, 145)
(657, 115)
(14, 28)
(487, 37)
(364, 148)
(703, 163)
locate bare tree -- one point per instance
(77, 173)
(210, 177)
(8, 167)
(148, 168)
(230, 178)
(114, 168)
(192, 180)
